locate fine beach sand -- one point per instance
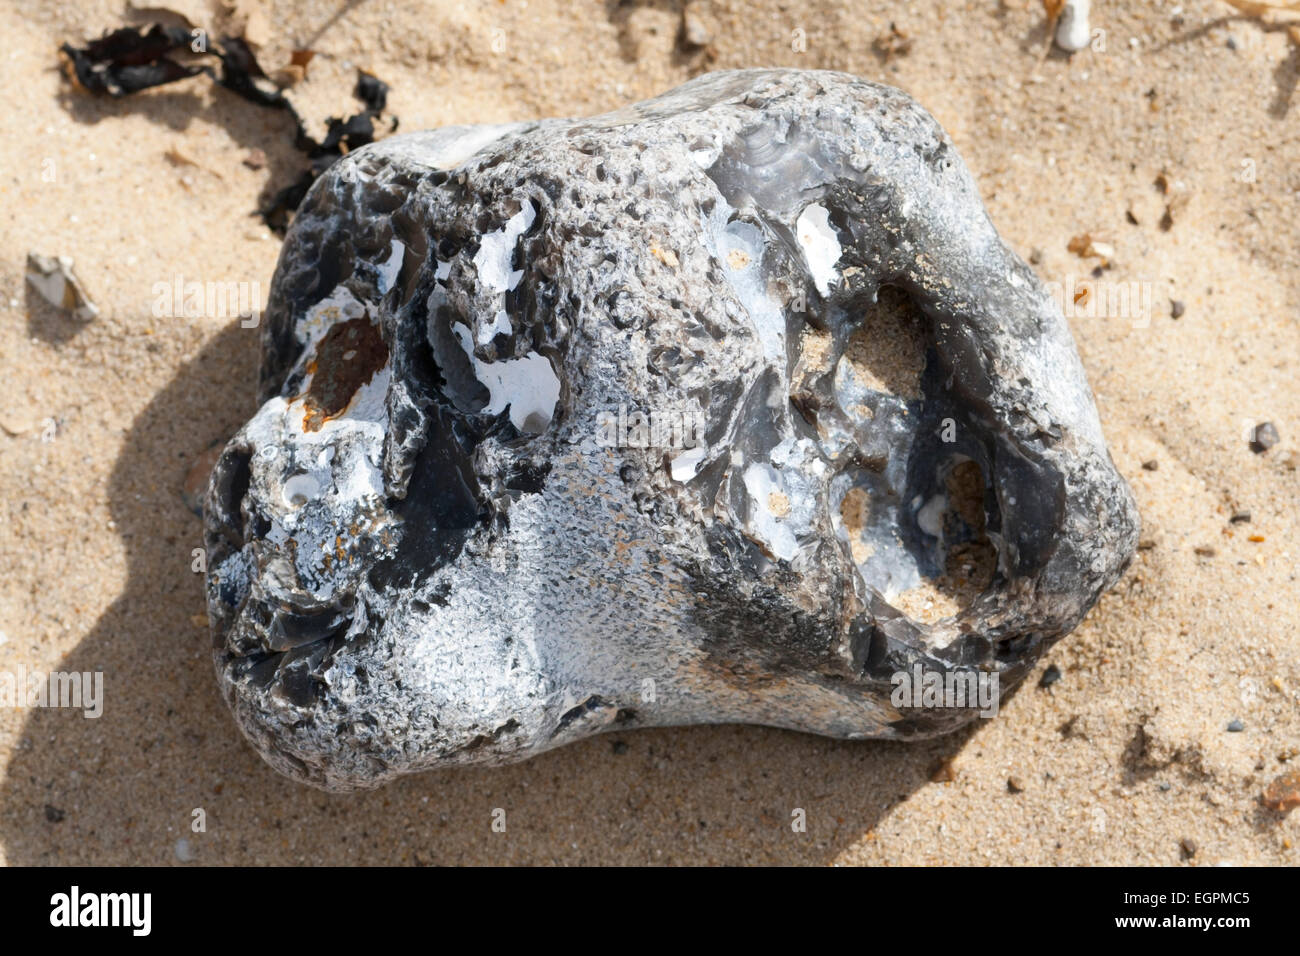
(1126, 759)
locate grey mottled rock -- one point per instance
(423, 550)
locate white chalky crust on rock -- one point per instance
(421, 555)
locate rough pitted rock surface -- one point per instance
(728, 406)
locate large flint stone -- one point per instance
(422, 551)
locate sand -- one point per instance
(1123, 760)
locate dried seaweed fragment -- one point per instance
(130, 59)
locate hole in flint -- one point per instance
(962, 550)
(915, 509)
(234, 476)
(886, 351)
(350, 355)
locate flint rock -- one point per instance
(729, 406)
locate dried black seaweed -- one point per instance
(129, 59)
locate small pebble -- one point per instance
(1015, 785)
(1163, 787)
(1283, 794)
(944, 772)
(1236, 727)
(1176, 309)
(620, 748)
(184, 852)
(1264, 437)
(1072, 30)
(54, 814)
(1205, 551)
(1050, 676)
(1241, 517)
(1151, 465)
(694, 31)
(53, 277)
(1188, 846)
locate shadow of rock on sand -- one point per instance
(182, 107)
(46, 322)
(122, 789)
(1285, 74)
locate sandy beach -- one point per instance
(1167, 153)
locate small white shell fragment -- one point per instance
(1072, 30)
(53, 278)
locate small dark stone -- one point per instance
(620, 748)
(694, 32)
(1241, 517)
(1264, 437)
(1236, 727)
(1050, 676)
(54, 814)
(1188, 846)
(1015, 785)
(1176, 309)
(1163, 787)
(1151, 465)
